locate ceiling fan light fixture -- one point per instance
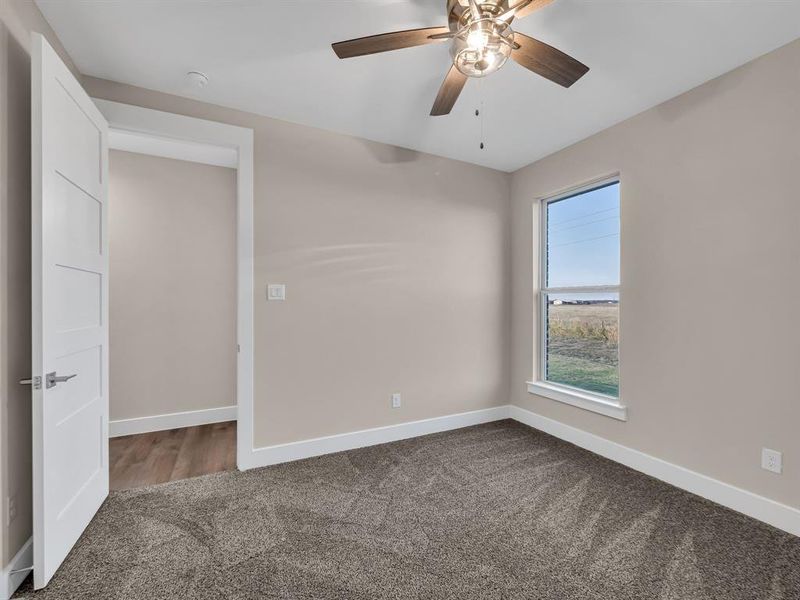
(478, 38)
(482, 47)
(482, 42)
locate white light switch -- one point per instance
(276, 291)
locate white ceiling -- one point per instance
(273, 57)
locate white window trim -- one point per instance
(598, 403)
(603, 405)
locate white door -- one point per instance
(70, 310)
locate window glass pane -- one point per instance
(582, 341)
(583, 239)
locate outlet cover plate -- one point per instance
(771, 460)
(396, 401)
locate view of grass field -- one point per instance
(582, 346)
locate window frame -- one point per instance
(596, 402)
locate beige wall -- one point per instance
(396, 265)
(172, 235)
(710, 341)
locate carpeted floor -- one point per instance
(495, 511)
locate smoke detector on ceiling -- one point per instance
(197, 79)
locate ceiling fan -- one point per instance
(482, 41)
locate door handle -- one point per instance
(51, 379)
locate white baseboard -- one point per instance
(9, 582)
(769, 511)
(271, 455)
(171, 421)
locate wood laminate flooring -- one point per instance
(161, 456)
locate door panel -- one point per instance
(79, 144)
(70, 310)
(80, 299)
(79, 216)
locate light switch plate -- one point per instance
(276, 291)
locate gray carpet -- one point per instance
(493, 511)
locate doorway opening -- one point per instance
(172, 315)
(180, 296)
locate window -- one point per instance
(579, 299)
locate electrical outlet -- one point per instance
(771, 460)
(396, 401)
(12, 509)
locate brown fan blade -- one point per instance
(448, 93)
(388, 41)
(547, 61)
(531, 8)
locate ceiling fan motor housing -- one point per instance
(483, 42)
(458, 11)
(482, 47)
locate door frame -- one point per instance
(179, 136)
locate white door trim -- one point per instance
(207, 154)
(163, 125)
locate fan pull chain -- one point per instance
(481, 123)
(479, 111)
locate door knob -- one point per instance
(51, 379)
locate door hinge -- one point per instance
(36, 382)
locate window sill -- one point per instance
(598, 404)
